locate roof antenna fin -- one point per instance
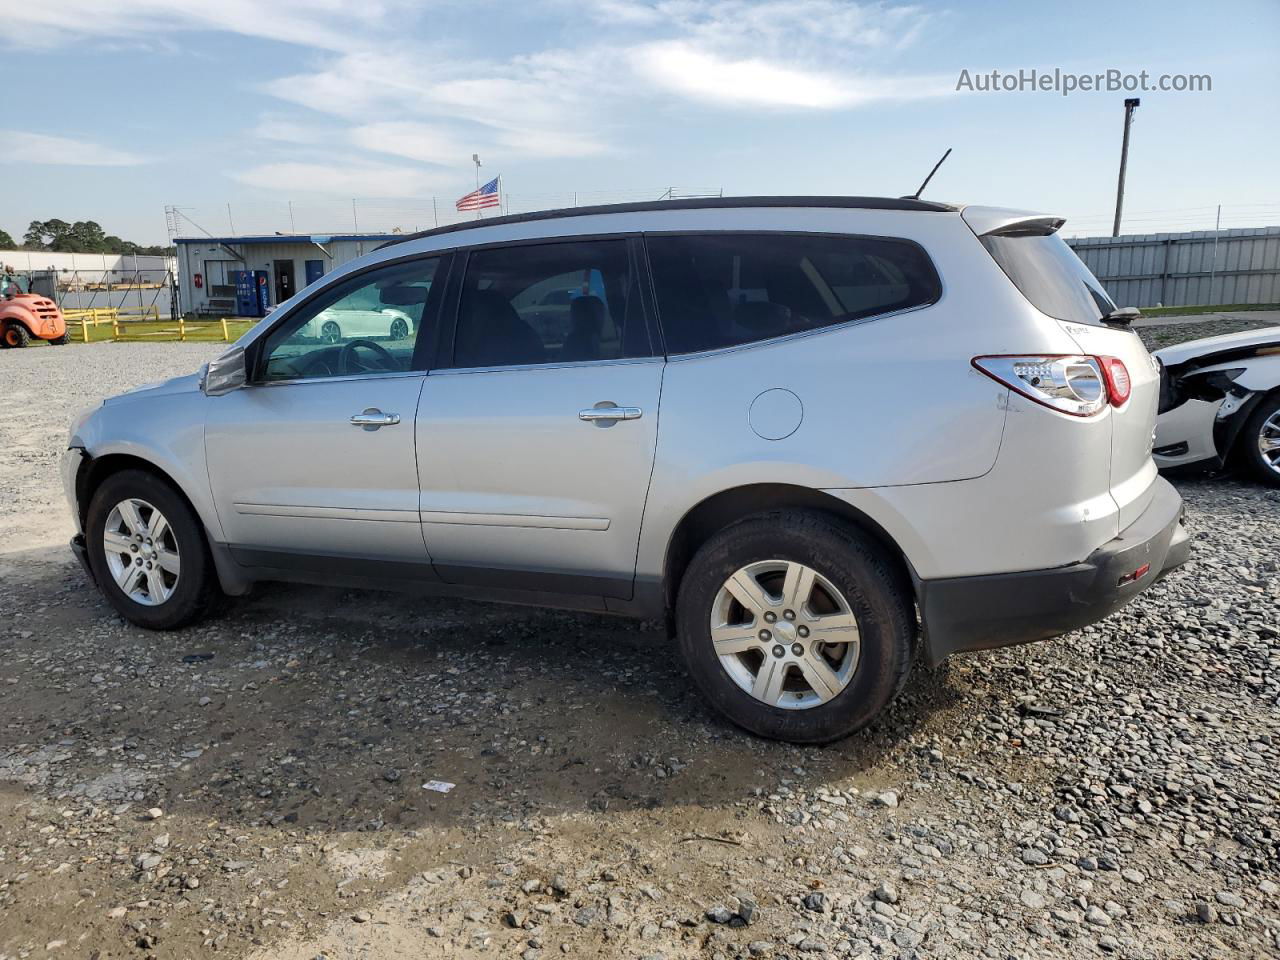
(916, 195)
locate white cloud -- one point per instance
(703, 75)
(420, 82)
(342, 178)
(26, 147)
(322, 24)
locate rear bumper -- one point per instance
(980, 613)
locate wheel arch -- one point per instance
(1229, 432)
(717, 511)
(94, 470)
(20, 318)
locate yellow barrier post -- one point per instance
(84, 328)
(115, 328)
(182, 329)
(226, 337)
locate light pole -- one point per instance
(1130, 105)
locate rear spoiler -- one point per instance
(999, 221)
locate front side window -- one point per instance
(550, 303)
(369, 324)
(721, 290)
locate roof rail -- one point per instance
(689, 203)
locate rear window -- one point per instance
(1051, 276)
(721, 290)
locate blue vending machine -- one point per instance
(246, 294)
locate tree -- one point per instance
(83, 236)
(6, 241)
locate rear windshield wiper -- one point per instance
(1121, 316)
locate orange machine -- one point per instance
(24, 316)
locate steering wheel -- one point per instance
(349, 364)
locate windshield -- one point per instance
(1051, 276)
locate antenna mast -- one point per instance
(916, 195)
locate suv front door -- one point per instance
(536, 436)
(313, 461)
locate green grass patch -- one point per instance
(1211, 308)
(142, 331)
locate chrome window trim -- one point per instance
(384, 375)
(552, 365)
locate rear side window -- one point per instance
(566, 302)
(720, 290)
(1051, 276)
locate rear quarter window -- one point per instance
(1050, 275)
(722, 290)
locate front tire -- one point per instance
(64, 339)
(795, 626)
(16, 335)
(1260, 441)
(148, 553)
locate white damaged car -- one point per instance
(1220, 402)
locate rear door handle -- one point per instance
(610, 413)
(373, 419)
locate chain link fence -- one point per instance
(407, 215)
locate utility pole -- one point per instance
(1213, 267)
(1130, 105)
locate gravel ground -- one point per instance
(255, 786)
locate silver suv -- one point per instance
(811, 434)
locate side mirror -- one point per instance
(228, 372)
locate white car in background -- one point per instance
(1220, 401)
(336, 325)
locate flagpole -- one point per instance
(476, 158)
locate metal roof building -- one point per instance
(282, 263)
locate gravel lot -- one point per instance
(254, 786)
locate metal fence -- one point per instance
(392, 215)
(1202, 267)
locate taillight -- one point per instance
(1118, 385)
(1076, 385)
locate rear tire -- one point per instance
(847, 571)
(64, 339)
(16, 335)
(1262, 428)
(184, 589)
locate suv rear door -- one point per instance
(536, 434)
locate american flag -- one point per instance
(486, 196)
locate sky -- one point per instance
(253, 116)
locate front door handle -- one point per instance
(610, 413)
(373, 419)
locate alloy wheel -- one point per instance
(141, 552)
(1269, 441)
(785, 634)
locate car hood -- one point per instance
(1191, 350)
(186, 384)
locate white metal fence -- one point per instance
(1202, 267)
